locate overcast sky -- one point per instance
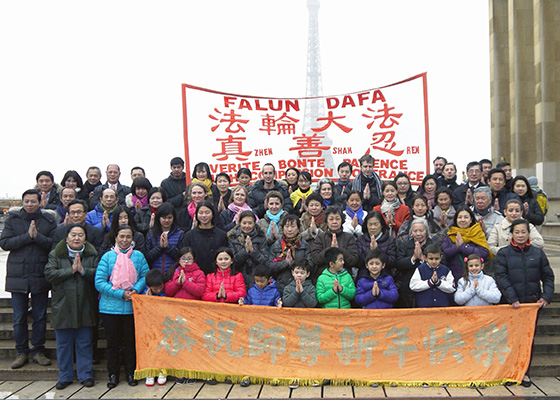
(91, 83)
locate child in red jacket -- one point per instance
(185, 280)
(225, 285)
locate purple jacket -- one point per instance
(388, 292)
(454, 254)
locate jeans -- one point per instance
(68, 340)
(20, 305)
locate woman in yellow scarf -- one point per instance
(464, 237)
(299, 196)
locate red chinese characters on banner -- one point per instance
(309, 146)
(231, 121)
(331, 120)
(283, 125)
(384, 141)
(232, 147)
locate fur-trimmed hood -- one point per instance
(61, 251)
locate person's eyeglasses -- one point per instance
(76, 212)
(187, 259)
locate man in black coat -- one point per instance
(113, 175)
(175, 184)
(262, 187)
(27, 235)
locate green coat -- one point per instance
(74, 298)
(327, 298)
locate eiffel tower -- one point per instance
(315, 108)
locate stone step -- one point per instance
(7, 331)
(8, 351)
(548, 326)
(547, 344)
(7, 315)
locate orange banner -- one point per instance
(456, 346)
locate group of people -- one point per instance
(357, 242)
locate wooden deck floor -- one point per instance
(545, 387)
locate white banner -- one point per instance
(230, 131)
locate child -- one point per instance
(154, 287)
(264, 291)
(432, 281)
(225, 285)
(377, 290)
(335, 286)
(154, 283)
(300, 293)
(185, 280)
(475, 288)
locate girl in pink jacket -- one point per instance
(185, 280)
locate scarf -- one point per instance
(153, 210)
(191, 209)
(519, 246)
(143, 200)
(273, 218)
(326, 202)
(241, 236)
(298, 195)
(360, 184)
(482, 213)
(390, 206)
(471, 234)
(207, 182)
(72, 253)
(359, 213)
(319, 219)
(289, 245)
(124, 275)
(235, 209)
(109, 211)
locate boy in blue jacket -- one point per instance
(264, 291)
(432, 281)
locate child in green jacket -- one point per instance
(335, 286)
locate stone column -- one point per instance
(499, 80)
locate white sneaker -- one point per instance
(161, 380)
(150, 381)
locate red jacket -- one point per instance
(401, 214)
(234, 286)
(193, 287)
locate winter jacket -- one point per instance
(159, 257)
(142, 219)
(281, 269)
(460, 194)
(234, 286)
(347, 226)
(139, 244)
(264, 224)
(327, 298)
(492, 218)
(95, 218)
(454, 256)
(28, 257)
(435, 230)
(174, 188)
(54, 197)
(386, 244)
(306, 231)
(74, 298)
(205, 242)
(111, 300)
(388, 292)
(503, 197)
(95, 236)
(535, 214)
(449, 216)
(402, 214)
(258, 193)
(519, 273)
(245, 262)
(429, 294)
(226, 220)
(95, 198)
(406, 268)
(346, 243)
(268, 296)
(500, 236)
(487, 292)
(306, 299)
(194, 286)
